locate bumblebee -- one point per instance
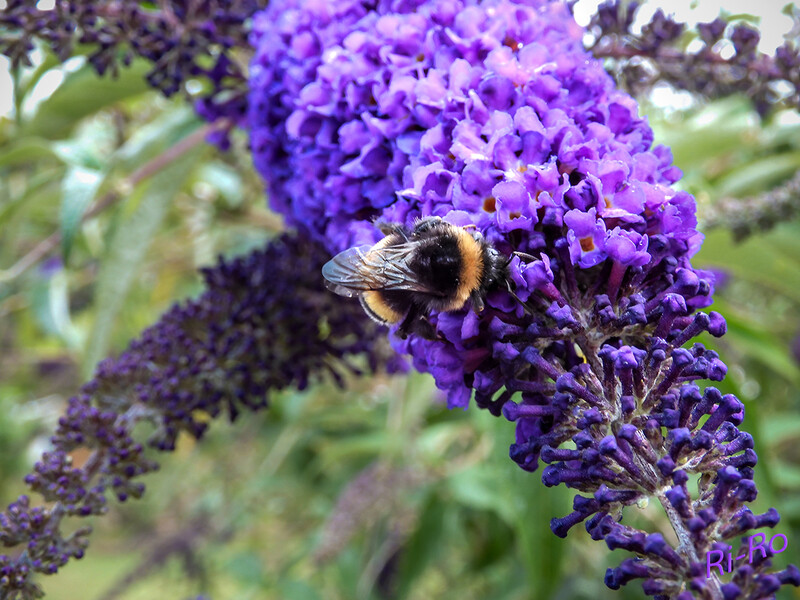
(409, 273)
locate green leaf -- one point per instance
(246, 567)
(481, 487)
(781, 133)
(128, 246)
(30, 78)
(716, 130)
(25, 151)
(156, 136)
(782, 427)
(293, 589)
(83, 93)
(78, 189)
(759, 175)
(423, 546)
(227, 181)
(42, 187)
(762, 346)
(353, 447)
(786, 240)
(755, 260)
(50, 303)
(786, 474)
(538, 505)
(90, 146)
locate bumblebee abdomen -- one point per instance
(385, 307)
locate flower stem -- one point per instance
(685, 544)
(170, 155)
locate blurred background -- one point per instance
(375, 491)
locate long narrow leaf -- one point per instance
(128, 247)
(81, 94)
(78, 189)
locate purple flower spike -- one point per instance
(255, 330)
(491, 114)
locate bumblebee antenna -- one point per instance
(525, 306)
(524, 256)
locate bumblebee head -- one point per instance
(495, 268)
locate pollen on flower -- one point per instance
(512, 43)
(587, 244)
(490, 204)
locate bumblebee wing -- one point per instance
(366, 268)
(393, 263)
(346, 273)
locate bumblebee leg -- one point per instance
(423, 328)
(407, 324)
(477, 302)
(416, 323)
(476, 235)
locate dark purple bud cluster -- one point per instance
(640, 60)
(263, 324)
(746, 216)
(182, 40)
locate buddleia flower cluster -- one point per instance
(492, 115)
(263, 324)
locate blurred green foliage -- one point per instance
(433, 507)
